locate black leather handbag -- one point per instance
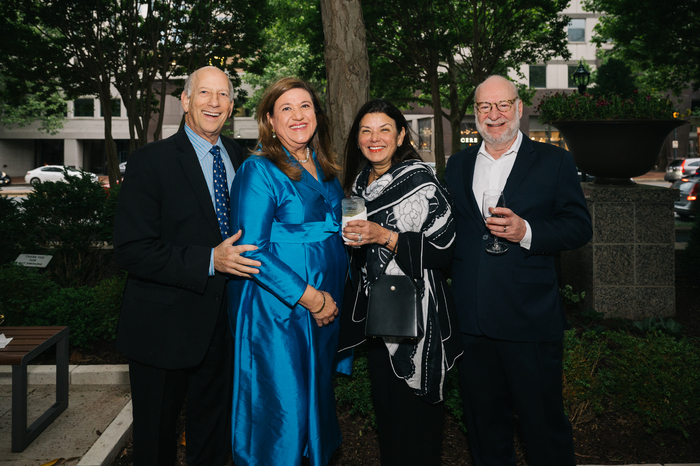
(394, 307)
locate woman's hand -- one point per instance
(320, 304)
(367, 232)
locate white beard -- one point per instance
(512, 128)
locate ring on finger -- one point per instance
(359, 238)
(504, 228)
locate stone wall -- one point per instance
(628, 268)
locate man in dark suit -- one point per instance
(510, 314)
(173, 324)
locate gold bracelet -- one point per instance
(322, 306)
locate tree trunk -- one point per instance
(347, 66)
(110, 145)
(437, 113)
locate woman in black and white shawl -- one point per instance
(409, 222)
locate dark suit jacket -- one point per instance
(164, 230)
(515, 296)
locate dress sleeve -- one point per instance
(255, 196)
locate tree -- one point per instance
(23, 102)
(447, 47)
(660, 37)
(347, 65)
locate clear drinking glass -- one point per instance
(493, 198)
(353, 209)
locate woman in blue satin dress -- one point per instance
(286, 199)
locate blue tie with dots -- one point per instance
(221, 193)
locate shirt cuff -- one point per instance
(526, 242)
(211, 263)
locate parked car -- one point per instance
(5, 179)
(689, 187)
(679, 168)
(53, 173)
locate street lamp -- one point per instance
(581, 77)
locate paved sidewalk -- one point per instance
(92, 430)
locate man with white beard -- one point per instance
(511, 317)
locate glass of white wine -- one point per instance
(493, 198)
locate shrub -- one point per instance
(657, 377)
(10, 230)
(69, 221)
(69, 306)
(20, 288)
(355, 391)
(584, 386)
(107, 305)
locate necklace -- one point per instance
(307, 156)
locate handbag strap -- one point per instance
(393, 256)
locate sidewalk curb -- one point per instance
(107, 447)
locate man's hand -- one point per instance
(505, 224)
(228, 259)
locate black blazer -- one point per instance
(515, 296)
(164, 230)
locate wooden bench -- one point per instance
(28, 343)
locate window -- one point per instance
(116, 108)
(84, 108)
(538, 75)
(425, 131)
(572, 69)
(577, 30)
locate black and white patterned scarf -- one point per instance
(409, 198)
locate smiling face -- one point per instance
(294, 120)
(209, 103)
(378, 140)
(498, 128)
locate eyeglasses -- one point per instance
(502, 106)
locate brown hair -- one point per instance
(272, 147)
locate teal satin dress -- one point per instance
(283, 401)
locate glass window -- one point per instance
(538, 75)
(84, 108)
(572, 69)
(577, 30)
(116, 108)
(425, 130)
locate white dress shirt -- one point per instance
(490, 173)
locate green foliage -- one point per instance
(71, 222)
(657, 377)
(20, 288)
(72, 307)
(23, 102)
(563, 106)
(659, 37)
(10, 230)
(570, 297)
(689, 258)
(453, 399)
(668, 326)
(107, 304)
(355, 391)
(614, 76)
(584, 387)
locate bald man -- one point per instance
(169, 237)
(511, 317)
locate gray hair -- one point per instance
(502, 78)
(190, 80)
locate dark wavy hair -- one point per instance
(355, 160)
(272, 147)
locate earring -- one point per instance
(274, 136)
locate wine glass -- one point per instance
(493, 198)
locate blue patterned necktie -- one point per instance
(221, 193)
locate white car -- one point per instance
(53, 173)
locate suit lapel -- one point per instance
(472, 204)
(193, 170)
(523, 162)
